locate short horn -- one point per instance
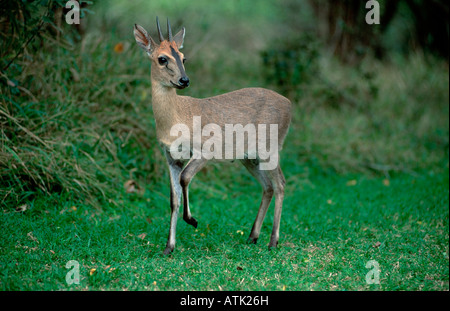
(169, 30)
(161, 37)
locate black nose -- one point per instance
(184, 81)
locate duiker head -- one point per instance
(167, 60)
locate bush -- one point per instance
(291, 63)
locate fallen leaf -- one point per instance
(21, 208)
(32, 237)
(329, 202)
(351, 183)
(131, 186)
(142, 235)
(118, 48)
(91, 272)
(377, 244)
(109, 269)
(386, 182)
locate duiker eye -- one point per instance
(162, 60)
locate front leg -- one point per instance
(191, 169)
(175, 168)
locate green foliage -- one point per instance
(58, 133)
(290, 64)
(375, 118)
(23, 22)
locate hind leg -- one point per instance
(278, 182)
(262, 176)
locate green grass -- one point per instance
(331, 227)
(366, 162)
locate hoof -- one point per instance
(251, 240)
(191, 221)
(168, 250)
(273, 245)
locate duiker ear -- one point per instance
(179, 38)
(143, 39)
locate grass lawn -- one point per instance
(332, 226)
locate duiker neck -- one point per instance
(166, 109)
